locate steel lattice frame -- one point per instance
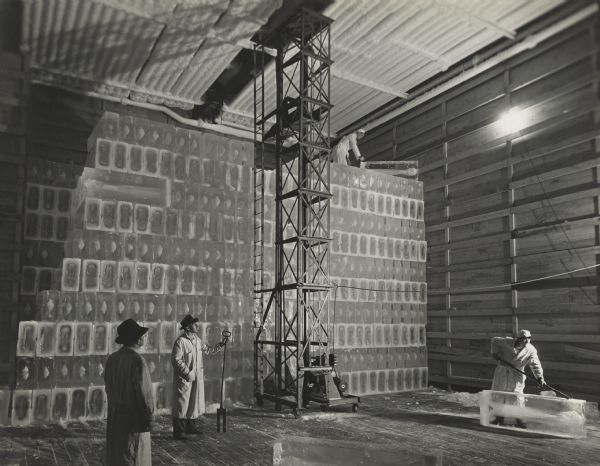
(259, 182)
(301, 295)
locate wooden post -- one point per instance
(595, 39)
(512, 220)
(447, 259)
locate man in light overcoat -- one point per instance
(188, 377)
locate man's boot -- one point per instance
(191, 426)
(498, 421)
(179, 426)
(520, 424)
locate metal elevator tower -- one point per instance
(293, 329)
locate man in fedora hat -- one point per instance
(514, 353)
(130, 400)
(188, 377)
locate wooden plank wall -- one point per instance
(13, 92)
(506, 208)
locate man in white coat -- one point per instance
(188, 377)
(341, 151)
(519, 353)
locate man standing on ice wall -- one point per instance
(341, 151)
(517, 352)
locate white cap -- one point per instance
(524, 334)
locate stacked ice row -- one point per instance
(106, 307)
(127, 217)
(55, 405)
(370, 382)
(76, 338)
(379, 335)
(140, 277)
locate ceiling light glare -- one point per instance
(512, 121)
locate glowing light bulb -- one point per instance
(513, 120)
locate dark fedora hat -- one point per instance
(129, 331)
(187, 320)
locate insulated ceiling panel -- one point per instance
(162, 51)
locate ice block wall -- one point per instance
(157, 225)
(378, 254)
(39, 367)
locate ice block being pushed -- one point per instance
(532, 413)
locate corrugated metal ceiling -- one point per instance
(162, 51)
(172, 51)
(396, 45)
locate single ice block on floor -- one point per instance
(532, 413)
(306, 451)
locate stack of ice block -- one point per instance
(158, 224)
(378, 259)
(540, 414)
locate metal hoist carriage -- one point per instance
(294, 364)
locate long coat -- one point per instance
(186, 357)
(130, 408)
(506, 379)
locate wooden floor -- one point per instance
(425, 421)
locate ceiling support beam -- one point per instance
(375, 45)
(347, 76)
(441, 62)
(340, 49)
(468, 15)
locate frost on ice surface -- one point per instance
(540, 414)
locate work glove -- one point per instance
(541, 381)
